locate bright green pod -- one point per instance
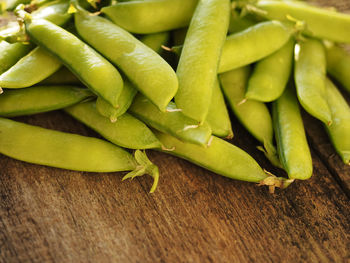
(253, 44)
(40, 99)
(152, 16)
(63, 76)
(321, 23)
(271, 75)
(11, 53)
(253, 115)
(90, 67)
(197, 68)
(70, 151)
(339, 131)
(147, 70)
(172, 121)
(310, 79)
(36, 66)
(338, 65)
(222, 158)
(127, 131)
(218, 117)
(124, 102)
(293, 148)
(55, 12)
(156, 41)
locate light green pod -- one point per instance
(253, 44)
(320, 23)
(218, 117)
(63, 76)
(253, 115)
(310, 79)
(40, 99)
(55, 12)
(339, 131)
(124, 102)
(222, 158)
(197, 68)
(152, 16)
(156, 41)
(291, 140)
(148, 71)
(338, 65)
(127, 131)
(172, 121)
(11, 53)
(36, 66)
(271, 75)
(92, 69)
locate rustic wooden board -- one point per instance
(52, 215)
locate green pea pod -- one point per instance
(200, 57)
(146, 17)
(291, 140)
(124, 102)
(90, 67)
(218, 117)
(253, 115)
(156, 41)
(63, 76)
(70, 151)
(253, 44)
(126, 132)
(339, 131)
(310, 79)
(150, 74)
(36, 66)
(40, 99)
(11, 53)
(172, 121)
(320, 23)
(271, 75)
(338, 65)
(222, 158)
(55, 12)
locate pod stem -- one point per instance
(273, 181)
(270, 153)
(144, 166)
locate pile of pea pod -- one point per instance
(163, 75)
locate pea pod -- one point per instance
(12, 4)
(156, 40)
(70, 151)
(320, 23)
(241, 48)
(218, 118)
(124, 102)
(55, 12)
(126, 132)
(90, 67)
(150, 74)
(172, 121)
(239, 23)
(291, 140)
(338, 65)
(222, 158)
(11, 53)
(146, 17)
(40, 99)
(310, 79)
(339, 131)
(271, 75)
(36, 66)
(254, 115)
(63, 76)
(200, 56)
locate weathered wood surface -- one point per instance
(52, 215)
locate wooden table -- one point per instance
(53, 215)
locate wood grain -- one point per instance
(53, 215)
